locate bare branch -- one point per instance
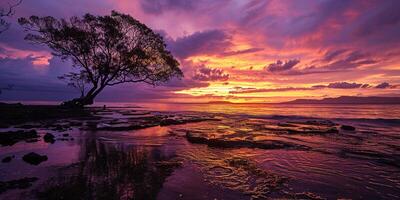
(7, 12)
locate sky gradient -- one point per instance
(231, 50)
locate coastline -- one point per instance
(213, 147)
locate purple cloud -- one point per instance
(346, 85)
(383, 85)
(159, 6)
(210, 74)
(250, 50)
(330, 55)
(205, 42)
(380, 19)
(280, 66)
(252, 90)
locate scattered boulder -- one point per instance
(11, 137)
(34, 158)
(347, 128)
(17, 184)
(65, 135)
(49, 138)
(7, 159)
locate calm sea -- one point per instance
(345, 111)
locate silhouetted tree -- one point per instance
(76, 80)
(7, 12)
(107, 50)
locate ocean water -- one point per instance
(160, 162)
(345, 111)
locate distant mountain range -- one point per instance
(348, 100)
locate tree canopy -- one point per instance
(7, 12)
(105, 51)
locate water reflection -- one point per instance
(112, 171)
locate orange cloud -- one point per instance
(38, 58)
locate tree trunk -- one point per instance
(88, 99)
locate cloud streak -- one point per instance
(336, 85)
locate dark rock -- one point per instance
(49, 138)
(166, 122)
(75, 123)
(27, 126)
(307, 196)
(17, 184)
(59, 128)
(14, 114)
(34, 158)
(11, 137)
(4, 125)
(311, 131)
(134, 113)
(92, 125)
(313, 127)
(320, 122)
(31, 140)
(65, 135)
(347, 128)
(226, 143)
(126, 128)
(169, 121)
(7, 159)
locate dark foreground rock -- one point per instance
(11, 137)
(347, 128)
(16, 184)
(49, 138)
(227, 143)
(14, 114)
(34, 158)
(7, 159)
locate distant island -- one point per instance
(348, 100)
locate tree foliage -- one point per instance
(105, 50)
(7, 12)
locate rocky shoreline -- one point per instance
(204, 131)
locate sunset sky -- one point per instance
(229, 50)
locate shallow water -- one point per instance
(160, 163)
